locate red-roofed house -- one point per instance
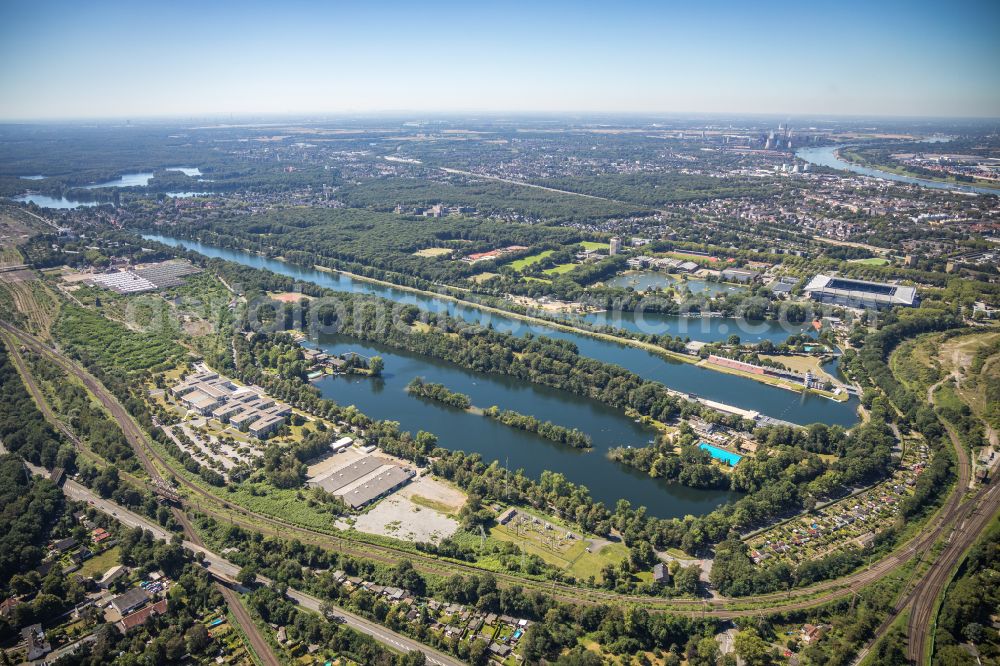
(141, 616)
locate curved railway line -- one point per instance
(134, 435)
(724, 608)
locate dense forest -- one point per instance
(491, 198)
(30, 507)
(23, 428)
(662, 188)
(438, 392)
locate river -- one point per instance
(386, 398)
(827, 156)
(729, 389)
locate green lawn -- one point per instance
(590, 564)
(594, 245)
(872, 261)
(531, 260)
(99, 564)
(560, 269)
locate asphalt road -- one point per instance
(226, 571)
(218, 566)
(953, 515)
(808, 597)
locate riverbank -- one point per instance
(681, 377)
(852, 157)
(607, 337)
(828, 156)
(778, 382)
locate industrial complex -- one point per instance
(246, 407)
(363, 481)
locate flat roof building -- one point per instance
(349, 474)
(244, 418)
(265, 425)
(201, 402)
(738, 275)
(125, 603)
(377, 486)
(860, 293)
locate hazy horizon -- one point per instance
(118, 60)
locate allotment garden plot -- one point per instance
(854, 521)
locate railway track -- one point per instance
(136, 439)
(967, 528)
(726, 608)
(955, 514)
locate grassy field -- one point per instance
(554, 548)
(914, 363)
(10, 256)
(99, 564)
(594, 245)
(29, 303)
(531, 260)
(697, 258)
(976, 358)
(799, 363)
(560, 269)
(872, 261)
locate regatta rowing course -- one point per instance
(387, 398)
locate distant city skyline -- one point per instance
(64, 60)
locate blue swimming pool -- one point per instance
(721, 454)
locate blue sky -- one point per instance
(133, 59)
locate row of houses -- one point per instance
(500, 632)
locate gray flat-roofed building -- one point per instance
(223, 413)
(265, 425)
(125, 603)
(378, 486)
(279, 409)
(349, 474)
(860, 293)
(244, 418)
(201, 402)
(687, 267)
(782, 285)
(738, 275)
